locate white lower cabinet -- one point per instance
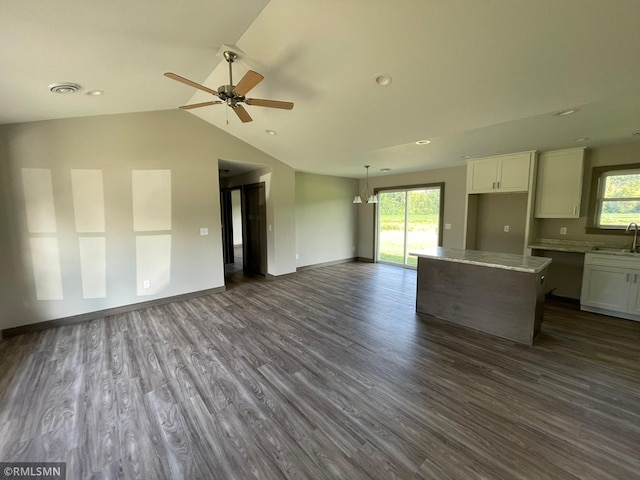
(611, 285)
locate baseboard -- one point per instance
(84, 317)
(550, 297)
(326, 264)
(365, 260)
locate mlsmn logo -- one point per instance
(33, 470)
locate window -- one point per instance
(409, 219)
(615, 198)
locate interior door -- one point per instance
(255, 239)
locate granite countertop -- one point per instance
(562, 245)
(577, 246)
(507, 261)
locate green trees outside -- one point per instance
(424, 207)
(422, 218)
(621, 200)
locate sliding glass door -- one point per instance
(409, 219)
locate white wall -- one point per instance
(326, 220)
(454, 178)
(236, 212)
(116, 145)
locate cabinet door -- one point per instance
(559, 186)
(634, 293)
(481, 175)
(513, 172)
(606, 287)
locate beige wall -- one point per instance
(116, 145)
(326, 218)
(596, 157)
(495, 210)
(454, 178)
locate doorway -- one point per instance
(232, 231)
(408, 219)
(254, 246)
(244, 235)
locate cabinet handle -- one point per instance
(574, 209)
(498, 185)
(628, 277)
(494, 185)
(635, 278)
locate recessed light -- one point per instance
(63, 88)
(385, 170)
(423, 142)
(583, 139)
(565, 113)
(95, 93)
(466, 156)
(271, 132)
(383, 79)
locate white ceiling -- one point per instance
(474, 77)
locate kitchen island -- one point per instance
(496, 293)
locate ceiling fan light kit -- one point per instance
(233, 95)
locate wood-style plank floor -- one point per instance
(323, 374)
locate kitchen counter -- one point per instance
(576, 246)
(507, 261)
(495, 293)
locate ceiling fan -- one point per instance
(233, 95)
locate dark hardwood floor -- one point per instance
(324, 374)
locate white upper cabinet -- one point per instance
(503, 173)
(559, 186)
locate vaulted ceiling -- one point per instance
(474, 77)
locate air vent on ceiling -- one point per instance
(64, 87)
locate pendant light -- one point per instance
(368, 194)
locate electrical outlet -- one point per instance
(297, 257)
(563, 230)
(506, 228)
(353, 249)
(145, 284)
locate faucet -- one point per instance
(634, 245)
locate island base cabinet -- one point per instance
(500, 302)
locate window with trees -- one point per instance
(615, 197)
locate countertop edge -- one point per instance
(489, 264)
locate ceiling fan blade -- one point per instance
(243, 115)
(269, 103)
(198, 105)
(186, 81)
(250, 80)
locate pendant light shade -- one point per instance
(368, 193)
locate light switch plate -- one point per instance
(447, 226)
(563, 230)
(204, 231)
(506, 228)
